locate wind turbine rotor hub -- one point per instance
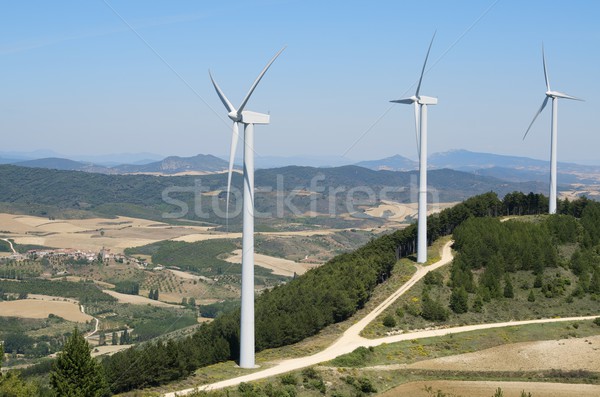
(234, 116)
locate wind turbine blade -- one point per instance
(417, 128)
(260, 76)
(424, 65)
(566, 96)
(221, 95)
(536, 115)
(406, 101)
(545, 70)
(234, 141)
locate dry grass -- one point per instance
(280, 266)
(33, 308)
(137, 299)
(488, 388)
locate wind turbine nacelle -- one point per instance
(249, 117)
(427, 100)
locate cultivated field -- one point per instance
(280, 266)
(403, 213)
(137, 299)
(116, 234)
(34, 308)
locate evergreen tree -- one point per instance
(124, 338)
(115, 341)
(508, 288)
(75, 373)
(538, 282)
(459, 300)
(531, 297)
(477, 304)
(11, 385)
(595, 282)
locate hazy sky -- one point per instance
(98, 77)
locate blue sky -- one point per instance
(100, 77)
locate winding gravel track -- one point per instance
(351, 338)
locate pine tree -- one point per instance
(508, 288)
(124, 337)
(459, 300)
(75, 373)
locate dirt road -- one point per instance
(351, 339)
(10, 244)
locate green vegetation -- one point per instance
(4, 246)
(289, 313)
(416, 350)
(215, 309)
(75, 373)
(84, 292)
(68, 194)
(518, 269)
(127, 287)
(204, 258)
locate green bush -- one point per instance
(389, 321)
(357, 358)
(288, 379)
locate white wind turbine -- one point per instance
(421, 102)
(554, 131)
(248, 119)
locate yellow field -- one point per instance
(33, 308)
(280, 266)
(92, 234)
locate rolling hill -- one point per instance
(39, 191)
(393, 163)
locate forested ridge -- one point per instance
(300, 308)
(44, 192)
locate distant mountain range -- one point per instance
(168, 166)
(394, 163)
(507, 168)
(175, 165)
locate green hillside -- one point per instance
(65, 194)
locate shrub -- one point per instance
(389, 321)
(357, 358)
(433, 278)
(288, 379)
(597, 321)
(433, 310)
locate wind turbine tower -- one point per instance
(420, 103)
(554, 95)
(248, 119)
